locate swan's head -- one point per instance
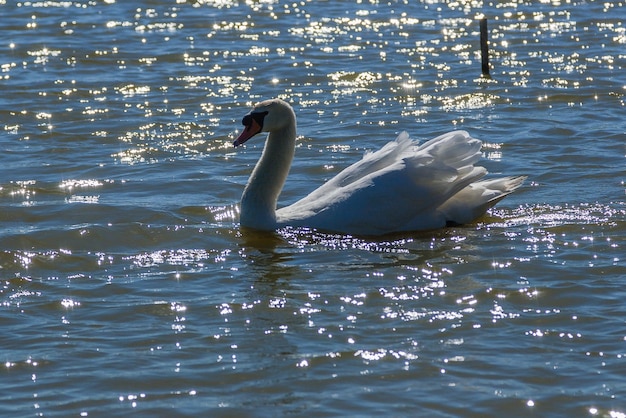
(268, 116)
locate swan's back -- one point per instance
(403, 187)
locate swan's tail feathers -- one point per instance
(474, 200)
(502, 187)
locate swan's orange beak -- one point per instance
(249, 131)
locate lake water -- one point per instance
(128, 288)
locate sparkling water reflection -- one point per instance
(128, 287)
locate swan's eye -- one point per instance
(257, 117)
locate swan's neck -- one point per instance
(258, 202)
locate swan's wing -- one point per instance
(355, 177)
(388, 189)
(371, 162)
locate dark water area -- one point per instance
(128, 288)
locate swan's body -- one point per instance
(401, 187)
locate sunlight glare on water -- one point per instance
(127, 286)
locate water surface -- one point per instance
(129, 288)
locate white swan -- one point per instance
(401, 187)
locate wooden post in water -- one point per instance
(484, 47)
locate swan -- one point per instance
(402, 187)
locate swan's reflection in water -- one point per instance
(271, 270)
(268, 254)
